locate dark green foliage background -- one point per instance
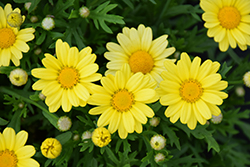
(222, 145)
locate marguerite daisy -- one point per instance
(138, 50)
(228, 21)
(66, 80)
(12, 40)
(191, 91)
(121, 101)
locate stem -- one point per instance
(12, 93)
(235, 82)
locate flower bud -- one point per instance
(64, 123)
(216, 119)
(18, 77)
(246, 79)
(101, 137)
(158, 142)
(51, 148)
(84, 12)
(48, 23)
(159, 157)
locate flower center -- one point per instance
(8, 158)
(191, 90)
(122, 100)
(141, 61)
(68, 77)
(229, 17)
(8, 38)
(14, 19)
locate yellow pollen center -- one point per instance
(141, 61)
(7, 38)
(68, 77)
(8, 159)
(229, 17)
(191, 90)
(122, 100)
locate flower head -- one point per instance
(246, 79)
(51, 148)
(191, 91)
(86, 135)
(121, 101)
(66, 80)
(228, 22)
(48, 23)
(84, 12)
(13, 151)
(64, 123)
(18, 77)
(158, 142)
(138, 50)
(240, 91)
(12, 41)
(101, 137)
(154, 121)
(159, 157)
(14, 19)
(217, 119)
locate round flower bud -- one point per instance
(101, 137)
(27, 5)
(86, 135)
(240, 91)
(246, 79)
(84, 12)
(64, 123)
(48, 23)
(159, 157)
(158, 142)
(76, 137)
(154, 121)
(33, 19)
(51, 148)
(41, 96)
(20, 105)
(14, 19)
(18, 77)
(38, 51)
(216, 119)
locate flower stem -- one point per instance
(235, 82)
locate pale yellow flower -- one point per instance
(101, 137)
(51, 148)
(246, 79)
(18, 77)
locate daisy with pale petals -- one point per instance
(122, 101)
(228, 22)
(12, 40)
(66, 80)
(191, 91)
(140, 51)
(14, 152)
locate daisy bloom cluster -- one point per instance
(191, 90)
(158, 142)
(66, 80)
(140, 51)
(14, 152)
(51, 148)
(122, 101)
(101, 137)
(228, 22)
(13, 41)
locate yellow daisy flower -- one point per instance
(66, 80)
(12, 41)
(14, 152)
(101, 137)
(51, 148)
(228, 21)
(138, 50)
(121, 101)
(191, 91)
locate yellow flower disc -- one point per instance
(191, 90)
(8, 38)
(14, 19)
(8, 158)
(68, 77)
(141, 61)
(122, 100)
(229, 17)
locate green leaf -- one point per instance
(64, 137)
(73, 14)
(15, 122)
(41, 38)
(3, 122)
(111, 155)
(52, 118)
(171, 134)
(223, 71)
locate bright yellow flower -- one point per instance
(191, 91)
(228, 21)
(66, 80)
(12, 40)
(121, 101)
(51, 148)
(138, 50)
(101, 137)
(14, 152)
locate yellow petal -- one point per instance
(105, 118)
(170, 99)
(73, 56)
(145, 108)
(144, 95)
(114, 121)
(210, 80)
(21, 139)
(66, 105)
(10, 138)
(28, 162)
(21, 45)
(203, 109)
(25, 152)
(185, 113)
(211, 98)
(99, 99)
(128, 121)
(99, 110)
(81, 91)
(138, 115)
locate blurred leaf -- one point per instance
(171, 134)
(3, 122)
(64, 137)
(52, 118)
(224, 70)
